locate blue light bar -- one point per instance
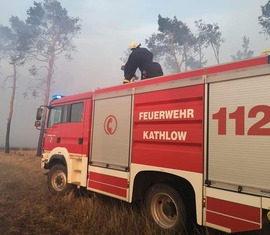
(54, 97)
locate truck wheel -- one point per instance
(57, 180)
(165, 206)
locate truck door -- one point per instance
(55, 128)
(72, 137)
(66, 128)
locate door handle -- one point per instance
(80, 141)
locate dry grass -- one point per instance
(27, 207)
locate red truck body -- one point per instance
(204, 134)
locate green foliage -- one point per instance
(7, 39)
(23, 35)
(173, 43)
(14, 48)
(245, 53)
(199, 47)
(211, 35)
(52, 29)
(52, 33)
(14, 43)
(264, 19)
(179, 48)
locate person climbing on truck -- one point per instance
(141, 58)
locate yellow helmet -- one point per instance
(265, 52)
(133, 45)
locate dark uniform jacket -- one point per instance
(143, 59)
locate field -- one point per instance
(27, 207)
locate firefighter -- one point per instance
(143, 59)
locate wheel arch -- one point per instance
(146, 179)
(56, 159)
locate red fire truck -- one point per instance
(193, 145)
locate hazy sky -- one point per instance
(108, 26)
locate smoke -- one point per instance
(107, 29)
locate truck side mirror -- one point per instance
(37, 124)
(39, 114)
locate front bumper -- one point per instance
(44, 161)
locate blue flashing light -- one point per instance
(54, 97)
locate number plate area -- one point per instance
(239, 135)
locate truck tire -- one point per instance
(165, 207)
(57, 180)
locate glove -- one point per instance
(125, 81)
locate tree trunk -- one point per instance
(11, 106)
(216, 52)
(43, 120)
(46, 100)
(185, 51)
(7, 136)
(40, 139)
(172, 52)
